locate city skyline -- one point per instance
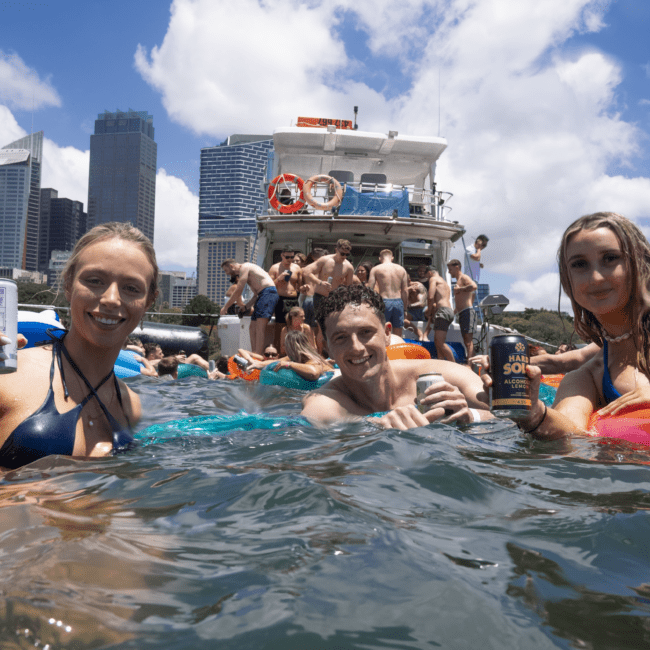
(546, 107)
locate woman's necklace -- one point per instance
(617, 339)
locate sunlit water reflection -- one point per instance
(351, 537)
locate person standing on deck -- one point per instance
(474, 253)
(464, 299)
(441, 315)
(334, 267)
(265, 298)
(392, 283)
(288, 280)
(308, 288)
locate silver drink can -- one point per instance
(211, 365)
(9, 325)
(423, 382)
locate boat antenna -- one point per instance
(356, 110)
(438, 101)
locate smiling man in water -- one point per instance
(352, 320)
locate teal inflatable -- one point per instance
(289, 379)
(211, 425)
(190, 370)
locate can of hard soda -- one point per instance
(510, 391)
(9, 325)
(423, 382)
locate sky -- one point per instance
(545, 104)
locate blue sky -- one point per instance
(545, 103)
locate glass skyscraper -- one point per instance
(20, 190)
(122, 179)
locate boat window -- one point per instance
(370, 181)
(342, 176)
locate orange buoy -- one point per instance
(290, 208)
(330, 180)
(236, 372)
(407, 351)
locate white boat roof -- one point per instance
(404, 159)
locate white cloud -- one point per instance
(177, 222)
(265, 65)
(9, 129)
(540, 292)
(66, 169)
(21, 87)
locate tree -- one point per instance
(202, 306)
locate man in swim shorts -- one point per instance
(464, 298)
(265, 298)
(334, 267)
(353, 322)
(441, 315)
(288, 280)
(392, 282)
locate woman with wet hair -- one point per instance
(65, 398)
(302, 357)
(604, 262)
(296, 322)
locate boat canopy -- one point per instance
(401, 159)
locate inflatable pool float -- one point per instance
(210, 425)
(457, 349)
(126, 364)
(631, 424)
(236, 372)
(190, 370)
(552, 380)
(407, 350)
(34, 325)
(290, 379)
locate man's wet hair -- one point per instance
(167, 366)
(222, 364)
(340, 298)
(150, 348)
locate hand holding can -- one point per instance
(8, 326)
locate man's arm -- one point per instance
(476, 256)
(349, 275)
(311, 273)
(422, 299)
(405, 289)
(465, 284)
(372, 280)
(551, 364)
(237, 293)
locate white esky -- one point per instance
(538, 118)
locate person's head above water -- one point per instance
(634, 259)
(294, 315)
(104, 233)
(340, 298)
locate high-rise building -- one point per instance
(44, 250)
(122, 179)
(230, 196)
(175, 289)
(20, 190)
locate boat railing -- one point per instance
(368, 199)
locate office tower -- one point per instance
(175, 289)
(20, 189)
(63, 221)
(122, 179)
(230, 195)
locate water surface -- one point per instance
(350, 537)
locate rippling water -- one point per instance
(352, 537)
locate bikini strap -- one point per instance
(93, 391)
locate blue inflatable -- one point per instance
(34, 325)
(126, 364)
(289, 379)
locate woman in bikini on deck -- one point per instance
(604, 262)
(64, 398)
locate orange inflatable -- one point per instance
(632, 424)
(298, 204)
(552, 380)
(236, 372)
(407, 351)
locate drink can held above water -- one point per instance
(423, 382)
(9, 325)
(510, 390)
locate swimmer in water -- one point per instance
(302, 357)
(604, 262)
(353, 322)
(65, 398)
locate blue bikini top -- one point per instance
(609, 391)
(48, 432)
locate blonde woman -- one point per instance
(296, 323)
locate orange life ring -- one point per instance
(275, 201)
(407, 351)
(236, 372)
(632, 424)
(552, 380)
(328, 205)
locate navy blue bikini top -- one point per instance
(609, 391)
(48, 432)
